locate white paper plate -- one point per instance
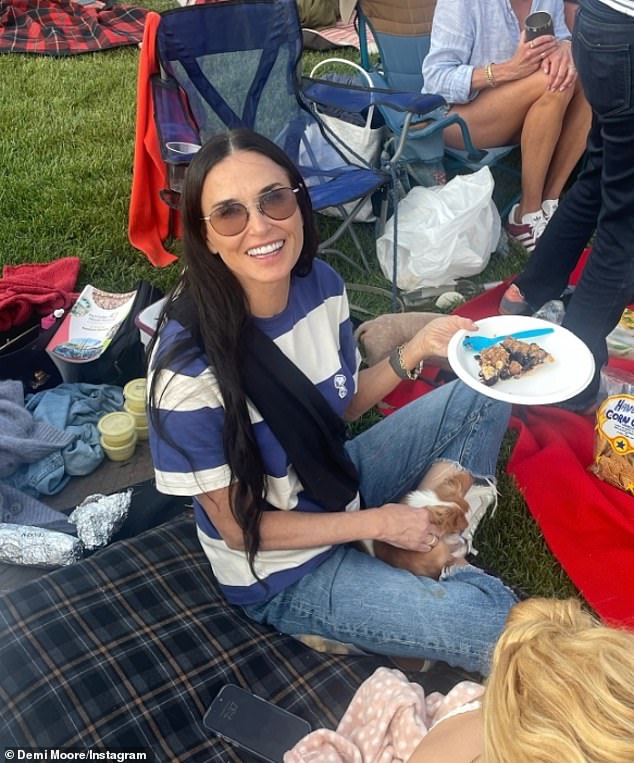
(570, 373)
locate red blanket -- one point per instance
(36, 288)
(588, 524)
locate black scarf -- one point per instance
(310, 432)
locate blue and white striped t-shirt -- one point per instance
(315, 332)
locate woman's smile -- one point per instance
(266, 250)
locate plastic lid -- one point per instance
(135, 391)
(116, 426)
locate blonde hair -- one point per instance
(561, 688)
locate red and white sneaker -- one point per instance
(528, 231)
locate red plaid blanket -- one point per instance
(62, 27)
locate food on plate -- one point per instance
(509, 360)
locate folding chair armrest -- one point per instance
(356, 99)
(416, 104)
(338, 95)
(474, 154)
(433, 125)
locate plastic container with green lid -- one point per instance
(120, 452)
(117, 429)
(134, 393)
(143, 433)
(140, 419)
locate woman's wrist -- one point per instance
(410, 360)
(503, 72)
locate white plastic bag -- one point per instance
(443, 233)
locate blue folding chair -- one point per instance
(236, 64)
(402, 31)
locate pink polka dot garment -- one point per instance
(385, 721)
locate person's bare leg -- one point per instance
(496, 116)
(571, 145)
(540, 135)
(521, 111)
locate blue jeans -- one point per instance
(355, 598)
(602, 196)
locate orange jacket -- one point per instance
(149, 218)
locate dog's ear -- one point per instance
(450, 519)
(453, 489)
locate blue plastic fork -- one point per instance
(478, 343)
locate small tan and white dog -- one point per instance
(448, 508)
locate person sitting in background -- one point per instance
(509, 90)
(561, 688)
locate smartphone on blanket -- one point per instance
(254, 724)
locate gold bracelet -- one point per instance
(488, 71)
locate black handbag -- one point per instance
(23, 356)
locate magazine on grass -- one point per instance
(88, 329)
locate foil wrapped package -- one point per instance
(36, 546)
(98, 517)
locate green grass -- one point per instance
(66, 156)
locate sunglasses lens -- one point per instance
(229, 220)
(279, 204)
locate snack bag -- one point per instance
(614, 431)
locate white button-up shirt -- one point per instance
(471, 33)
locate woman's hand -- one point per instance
(560, 68)
(429, 343)
(433, 339)
(407, 527)
(529, 56)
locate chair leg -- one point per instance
(327, 248)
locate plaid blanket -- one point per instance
(62, 27)
(129, 647)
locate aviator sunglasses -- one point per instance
(231, 219)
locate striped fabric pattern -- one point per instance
(315, 332)
(624, 6)
(129, 647)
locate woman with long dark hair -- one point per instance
(253, 372)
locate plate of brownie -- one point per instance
(542, 370)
